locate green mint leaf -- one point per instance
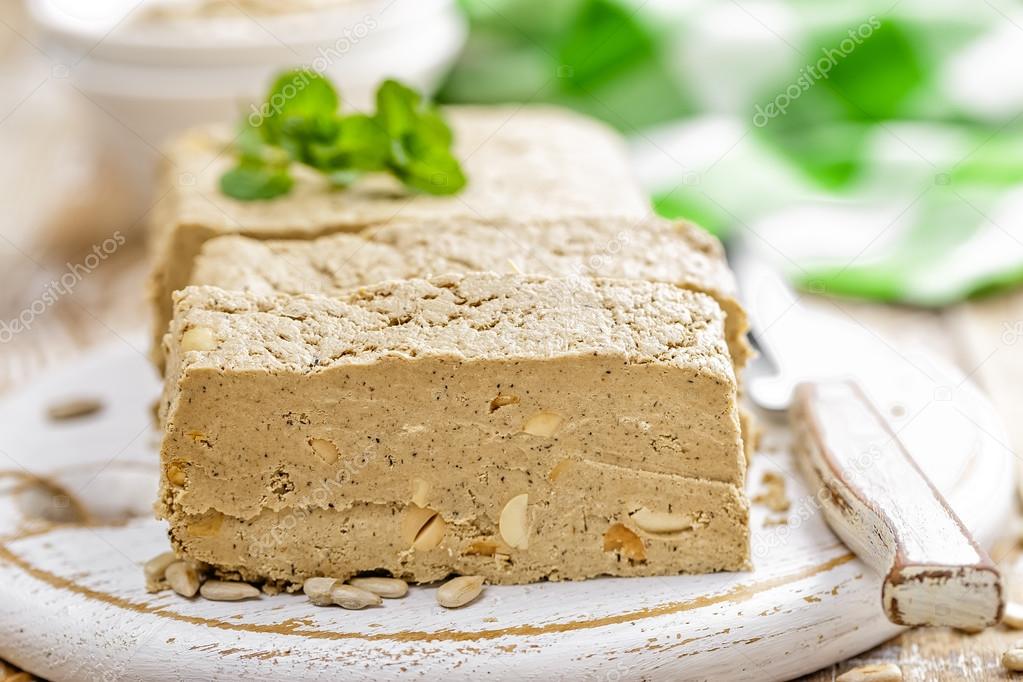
(318, 128)
(422, 157)
(249, 143)
(403, 113)
(365, 142)
(432, 128)
(300, 110)
(253, 149)
(399, 157)
(360, 144)
(436, 173)
(299, 122)
(420, 147)
(251, 181)
(397, 108)
(299, 101)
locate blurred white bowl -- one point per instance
(151, 77)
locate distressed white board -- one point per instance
(73, 605)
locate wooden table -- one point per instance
(47, 155)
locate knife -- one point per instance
(843, 385)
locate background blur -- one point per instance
(873, 152)
(881, 136)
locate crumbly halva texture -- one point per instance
(513, 427)
(521, 162)
(648, 249)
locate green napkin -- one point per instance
(842, 106)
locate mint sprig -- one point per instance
(300, 122)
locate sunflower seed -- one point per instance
(198, 338)
(543, 424)
(422, 528)
(1013, 660)
(1013, 617)
(223, 590)
(388, 588)
(459, 591)
(73, 408)
(661, 522)
(883, 672)
(514, 522)
(318, 590)
(351, 597)
(325, 450)
(176, 474)
(183, 578)
(156, 568)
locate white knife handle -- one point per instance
(876, 498)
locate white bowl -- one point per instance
(151, 79)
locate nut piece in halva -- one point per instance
(514, 522)
(657, 523)
(618, 538)
(544, 424)
(198, 338)
(422, 528)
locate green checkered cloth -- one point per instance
(886, 138)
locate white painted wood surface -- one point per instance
(73, 605)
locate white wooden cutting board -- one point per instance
(73, 605)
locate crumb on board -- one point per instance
(772, 494)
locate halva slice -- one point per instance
(512, 427)
(652, 249)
